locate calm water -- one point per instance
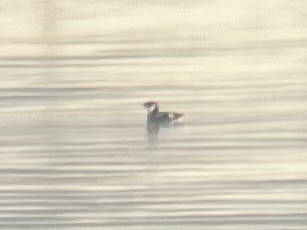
(74, 151)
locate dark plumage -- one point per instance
(155, 116)
(156, 120)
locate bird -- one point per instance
(156, 120)
(154, 116)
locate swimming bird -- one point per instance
(154, 116)
(156, 120)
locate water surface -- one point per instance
(74, 151)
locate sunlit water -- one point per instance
(74, 151)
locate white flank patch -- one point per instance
(171, 115)
(180, 119)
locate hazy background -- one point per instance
(73, 149)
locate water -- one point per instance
(74, 152)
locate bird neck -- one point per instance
(150, 114)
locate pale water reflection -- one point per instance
(74, 152)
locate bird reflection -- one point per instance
(153, 134)
(156, 120)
